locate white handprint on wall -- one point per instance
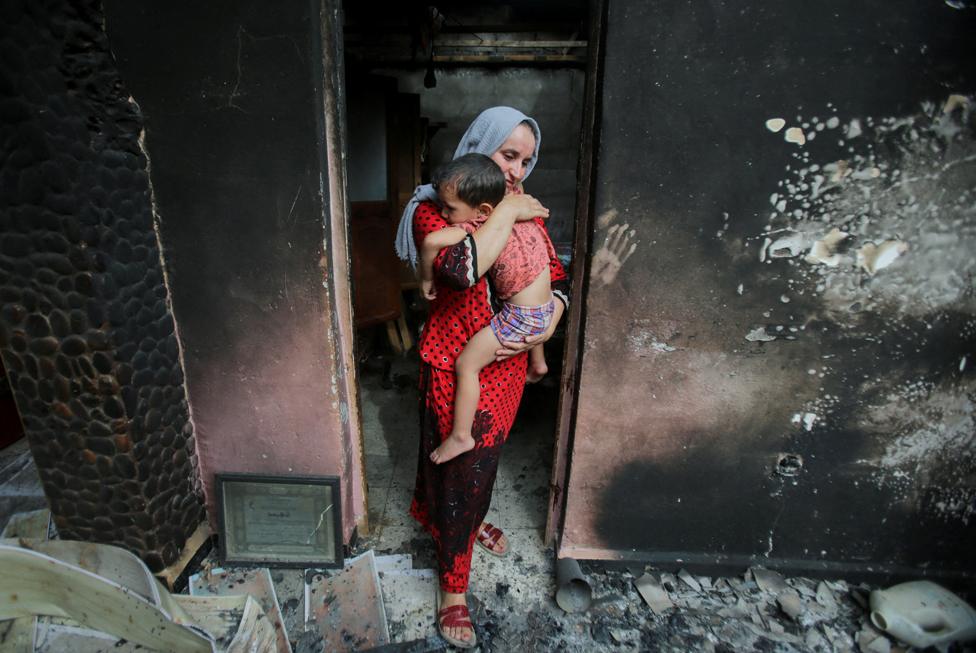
(618, 246)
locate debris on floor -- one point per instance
(761, 611)
(92, 591)
(346, 609)
(20, 484)
(236, 623)
(384, 605)
(923, 614)
(653, 593)
(573, 593)
(255, 583)
(34, 525)
(512, 599)
(290, 589)
(409, 598)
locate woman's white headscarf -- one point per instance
(485, 135)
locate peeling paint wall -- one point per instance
(779, 335)
(232, 98)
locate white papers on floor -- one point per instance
(251, 582)
(345, 608)
(409, 596)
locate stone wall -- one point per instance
(86, 332)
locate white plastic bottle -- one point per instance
(921, 613)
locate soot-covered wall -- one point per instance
(86, 332)
(232, 94)
(780, 328)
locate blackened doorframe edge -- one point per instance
(582, 241)
(326, 35)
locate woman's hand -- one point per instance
(523, 206)
(509, 349)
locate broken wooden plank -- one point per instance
(37, 584)
(236, 623)
(109, 562)
(289, 587)
(689, 580)
(172, 573)
(54, 636)
(791, 604)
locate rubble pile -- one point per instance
(761, 611)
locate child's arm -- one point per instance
(434, 243)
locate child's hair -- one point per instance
(475, 178)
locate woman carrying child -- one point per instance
(451, 499)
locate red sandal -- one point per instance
(453, 617)
(488, 536)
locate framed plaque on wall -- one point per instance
(279, 521)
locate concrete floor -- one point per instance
(521, 488)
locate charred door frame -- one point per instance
(337, 269)
(582, 236)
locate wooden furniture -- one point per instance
(392, 168)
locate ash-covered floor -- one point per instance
(512, 598)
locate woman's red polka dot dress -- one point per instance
(451, 500)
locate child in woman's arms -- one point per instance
(469, 188)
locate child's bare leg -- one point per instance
(479, 351)
(537, 365)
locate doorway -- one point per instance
(415, 78)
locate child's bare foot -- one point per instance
(455, 445)
(536, 371)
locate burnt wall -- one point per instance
(779, 330)
(85, 330)
(233, 104)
